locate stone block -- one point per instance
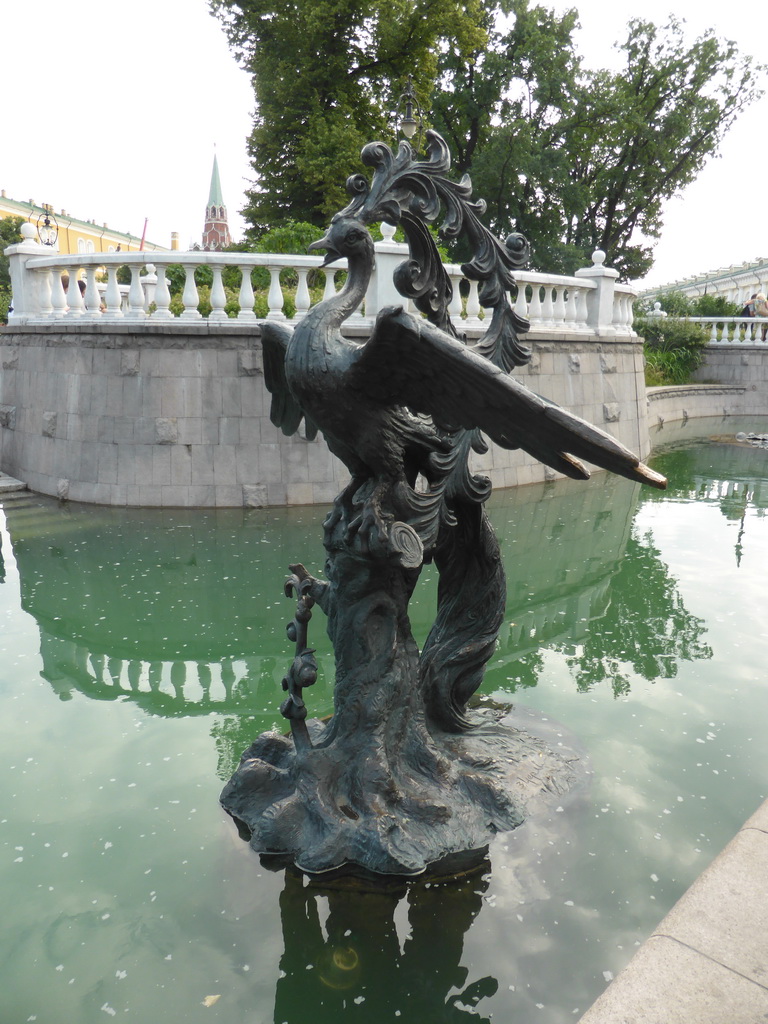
(230, 397)
(230, 496)
(8, 416)
(250, 430)
(50, 420)
(146, 494)
(181, 466)
(225, 469)
(152, 396)
(211, 397)
(249, 363)
(190, 430)
(201, 496)
(574, 363)
(124, 430)
(202, 457)
(89, 462)
(130, 362)
(229, 430)
(254, 495)
(62, 489)
(10, 357)
(193, 397)
(166, 431)
(172, 399)
(666, 982)
(161, 465)
(174, 496)
(611, 412)
(132, 403)
(107, 466)
(299, 493)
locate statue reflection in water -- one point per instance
(355, 957)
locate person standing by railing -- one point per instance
(761, 310)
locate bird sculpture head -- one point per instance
(346, 237)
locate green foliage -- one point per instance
(575, 159)
(579, 159)
(326, 73)
(674, 348)
(715, 305)
(10, 234)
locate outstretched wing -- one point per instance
(285, 412)
(410, 362)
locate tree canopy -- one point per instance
(576, 159)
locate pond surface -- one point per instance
(142, 650)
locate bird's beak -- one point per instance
(331, 254)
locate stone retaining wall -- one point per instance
(132, 416)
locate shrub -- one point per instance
(674, 349)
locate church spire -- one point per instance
(216, 229)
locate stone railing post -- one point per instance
(600, 301)
(381, 288)
(26, 285)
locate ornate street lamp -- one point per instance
(47, 227)
(409, 124)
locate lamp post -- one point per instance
(47, 227)
(409, 124)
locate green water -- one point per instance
(141, 650)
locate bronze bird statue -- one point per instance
(405, 773)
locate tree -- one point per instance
(579, 159)
(325, 75)
(573, 158)
(10, 234)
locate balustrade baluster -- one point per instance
(571, 307)
(218, 295)
(473, 304)
(330, 282)
(44, 292)
(303, 299)
(275, 296)
(582, 307)
(558, 308)
(112, 295)
(162, 296)
(713, 334)
(190, 296)
(136, 295)
(92, 296)
(521, 303)
(455, 305)
(548, 306)
(149, 283)
(534, 307)
(246, 297)
(74, 298)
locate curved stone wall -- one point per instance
(132, 416)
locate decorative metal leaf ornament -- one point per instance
(412, 193)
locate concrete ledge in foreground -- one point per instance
(707, 962)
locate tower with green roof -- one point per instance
(216, 230)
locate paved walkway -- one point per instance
(707, 962)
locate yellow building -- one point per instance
(78, 236)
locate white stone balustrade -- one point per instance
(590, 303)
(730, 330)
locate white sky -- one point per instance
(112, 112)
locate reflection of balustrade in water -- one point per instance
(160, 687)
